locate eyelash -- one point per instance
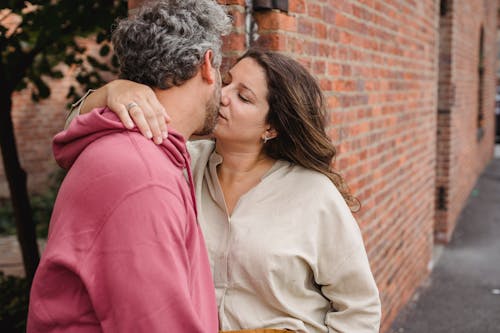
(226, 82)
(245, 100)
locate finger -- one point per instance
(161, 116)
(154, 124)
(138, 117)
(122, 113)
(162, 123)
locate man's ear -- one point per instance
(207, 70)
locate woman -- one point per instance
(284, 248)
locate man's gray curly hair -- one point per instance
(164, 44)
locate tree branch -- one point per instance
(20, 70)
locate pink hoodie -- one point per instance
(124, 253)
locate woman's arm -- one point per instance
(148, 114)
(343, 271)
(354, 296)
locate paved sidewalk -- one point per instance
(462, 294)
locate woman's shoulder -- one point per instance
(317, 196)
(308, 178)
(314, 186)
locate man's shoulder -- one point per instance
(121, 163)
(127, 153)
(112, 169)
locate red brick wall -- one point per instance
(462, 156)
(377, 62)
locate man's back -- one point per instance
(124, 252)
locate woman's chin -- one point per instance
(216, 130)
(220, 133)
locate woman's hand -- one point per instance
(137, 103)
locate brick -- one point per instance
(320, 31)
(271, 41)
(238, 17)
(297, 6)
(305, 26)
(234, 42)
(314, 10)
(275, 21)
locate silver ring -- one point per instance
(130, 106)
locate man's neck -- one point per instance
(183, 109)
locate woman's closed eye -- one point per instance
(243, 98)
(241, 89)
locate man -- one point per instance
(125, 253)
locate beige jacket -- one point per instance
(290, 256)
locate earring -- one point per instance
(266, 138)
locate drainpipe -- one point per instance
(250, 25)
(281, 5)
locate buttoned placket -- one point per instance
(218, 196)
(222, 277)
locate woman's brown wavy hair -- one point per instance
(297, 112)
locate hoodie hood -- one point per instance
(85, 129)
